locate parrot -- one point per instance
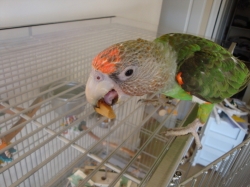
(179, 66)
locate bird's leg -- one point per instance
(230, 111)
(191, 128)
(163, 101)
(219, 107)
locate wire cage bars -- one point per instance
(49, 131)
(231, 169)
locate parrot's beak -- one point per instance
(98, 85)
(101, 86)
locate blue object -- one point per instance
(4, 158)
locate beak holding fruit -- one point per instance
(102, 92)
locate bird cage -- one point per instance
(51, 136)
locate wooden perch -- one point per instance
(7, 138)
(8, 111)
(111, 144)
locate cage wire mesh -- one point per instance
(231, 169)
(49, 128)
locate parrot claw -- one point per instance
(160, 100)
(191, 128)
(153, 102)
(229, 111)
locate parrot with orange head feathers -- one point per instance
(180, 66)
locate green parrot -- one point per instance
(180, 66)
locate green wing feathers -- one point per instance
(209, 71)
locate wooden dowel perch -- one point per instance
(7, 138)
(8, 111)
(111, 144)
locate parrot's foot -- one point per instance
(191, 128)
(163, 101)
(227, 108)
(160, 100)
(230, 111)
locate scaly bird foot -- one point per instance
(191, 128)
(160, 100)
(230, 111)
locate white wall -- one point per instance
(173, 16)
(196, 17)
(25, 12)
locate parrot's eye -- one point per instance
(129, 72)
